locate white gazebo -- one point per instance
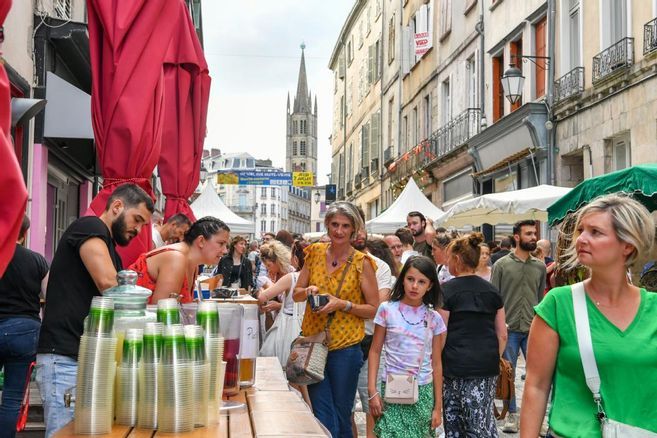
(503, 207)
(410, 199)
(210, 204)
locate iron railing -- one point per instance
(570, 84)
(443, 141)
(613, 59)
(650, 36)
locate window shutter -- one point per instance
(370, 64)
(375, 136)
(430, 14)
(365, 146)
(406, 52)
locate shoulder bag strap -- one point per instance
(339, 288)
(584, 341)
(427, 329)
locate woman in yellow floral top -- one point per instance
(333, 398)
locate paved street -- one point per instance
(360, 416)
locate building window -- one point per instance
(457, 187)
(294, 148)
(295, 129)
(273, 209)
(446, 103)
(273, 226)
(365, 147)
(350, 52)
(574, 36)
(273, 192)
(391, 111)
(614, 22)
(416, 127)
(540, 32)
(263, 192)
(263, 226)
(405, 133)
(621, 152)
(302, 148)
(427, 116)
(498, 92)
(445, 18)
(263, 209)
(471, 84)
(516, 53)
(391, 39)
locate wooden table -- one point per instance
(273, 410)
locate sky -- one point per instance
(253, 52)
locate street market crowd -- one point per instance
(418, 322)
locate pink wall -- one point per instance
(39, 206)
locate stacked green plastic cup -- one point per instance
(175, 384)
(168, 311)
(148, 371)
(127, 379)
(100, 320)
(200, 373)
(207, 317)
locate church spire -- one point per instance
(301, 104)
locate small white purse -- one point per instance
(403, 389)
(610, 428)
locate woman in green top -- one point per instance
(611, 233)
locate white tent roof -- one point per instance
(210, 204)
(410, 199)
(503, 207)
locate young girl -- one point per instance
(412, 332)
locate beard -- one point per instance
(527, 246)
(120, 233)
(359, 244)
(418, 232)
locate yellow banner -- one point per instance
(302, 179)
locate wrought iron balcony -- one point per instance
(650, 36)
(241, 208)
(443, 141)
(613, 59)
(388, 156)
(570, 84)
(358, 180)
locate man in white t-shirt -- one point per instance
(384, 281)
(172, 231)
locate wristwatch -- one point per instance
(347, 308)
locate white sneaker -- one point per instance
(511, 425)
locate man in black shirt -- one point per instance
(422, 235)
(85, 264)
(505, 248)
(25, 278)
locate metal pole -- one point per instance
(551, 146)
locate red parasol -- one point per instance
(128, 41)
(187, 90)
(13, 194)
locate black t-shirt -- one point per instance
(471, 348)
(498, 255)
(71, 288)
(21, 284)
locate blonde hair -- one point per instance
(346, 209)
(277, 253)
(630, 220)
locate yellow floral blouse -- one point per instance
(345, 329)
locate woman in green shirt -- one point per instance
(611, 233)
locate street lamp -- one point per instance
(512, 82)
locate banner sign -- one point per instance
(302, 179)
(255, 178)
(422, 45)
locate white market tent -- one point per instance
(210, 204)
(410, 199)
(503, 208)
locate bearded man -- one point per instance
(417, 223)
(521, 280)
(85, 264)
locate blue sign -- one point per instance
(255, 178)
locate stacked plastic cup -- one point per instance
(175, 392)
(207, 317)
(195, 343)
(127, 378)
(168, 311)
(96, 370)
(148, 371)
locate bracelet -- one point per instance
(375, 394)
(348, 306)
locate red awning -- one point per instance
(13, 193)
(187, 90)
(128, 41)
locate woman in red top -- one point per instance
(172, 269)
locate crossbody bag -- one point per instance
(403, 389)
(308, 354)
(610, 428)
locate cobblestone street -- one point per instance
(360, 416)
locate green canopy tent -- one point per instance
(639, 181)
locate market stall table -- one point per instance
(272, 410)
